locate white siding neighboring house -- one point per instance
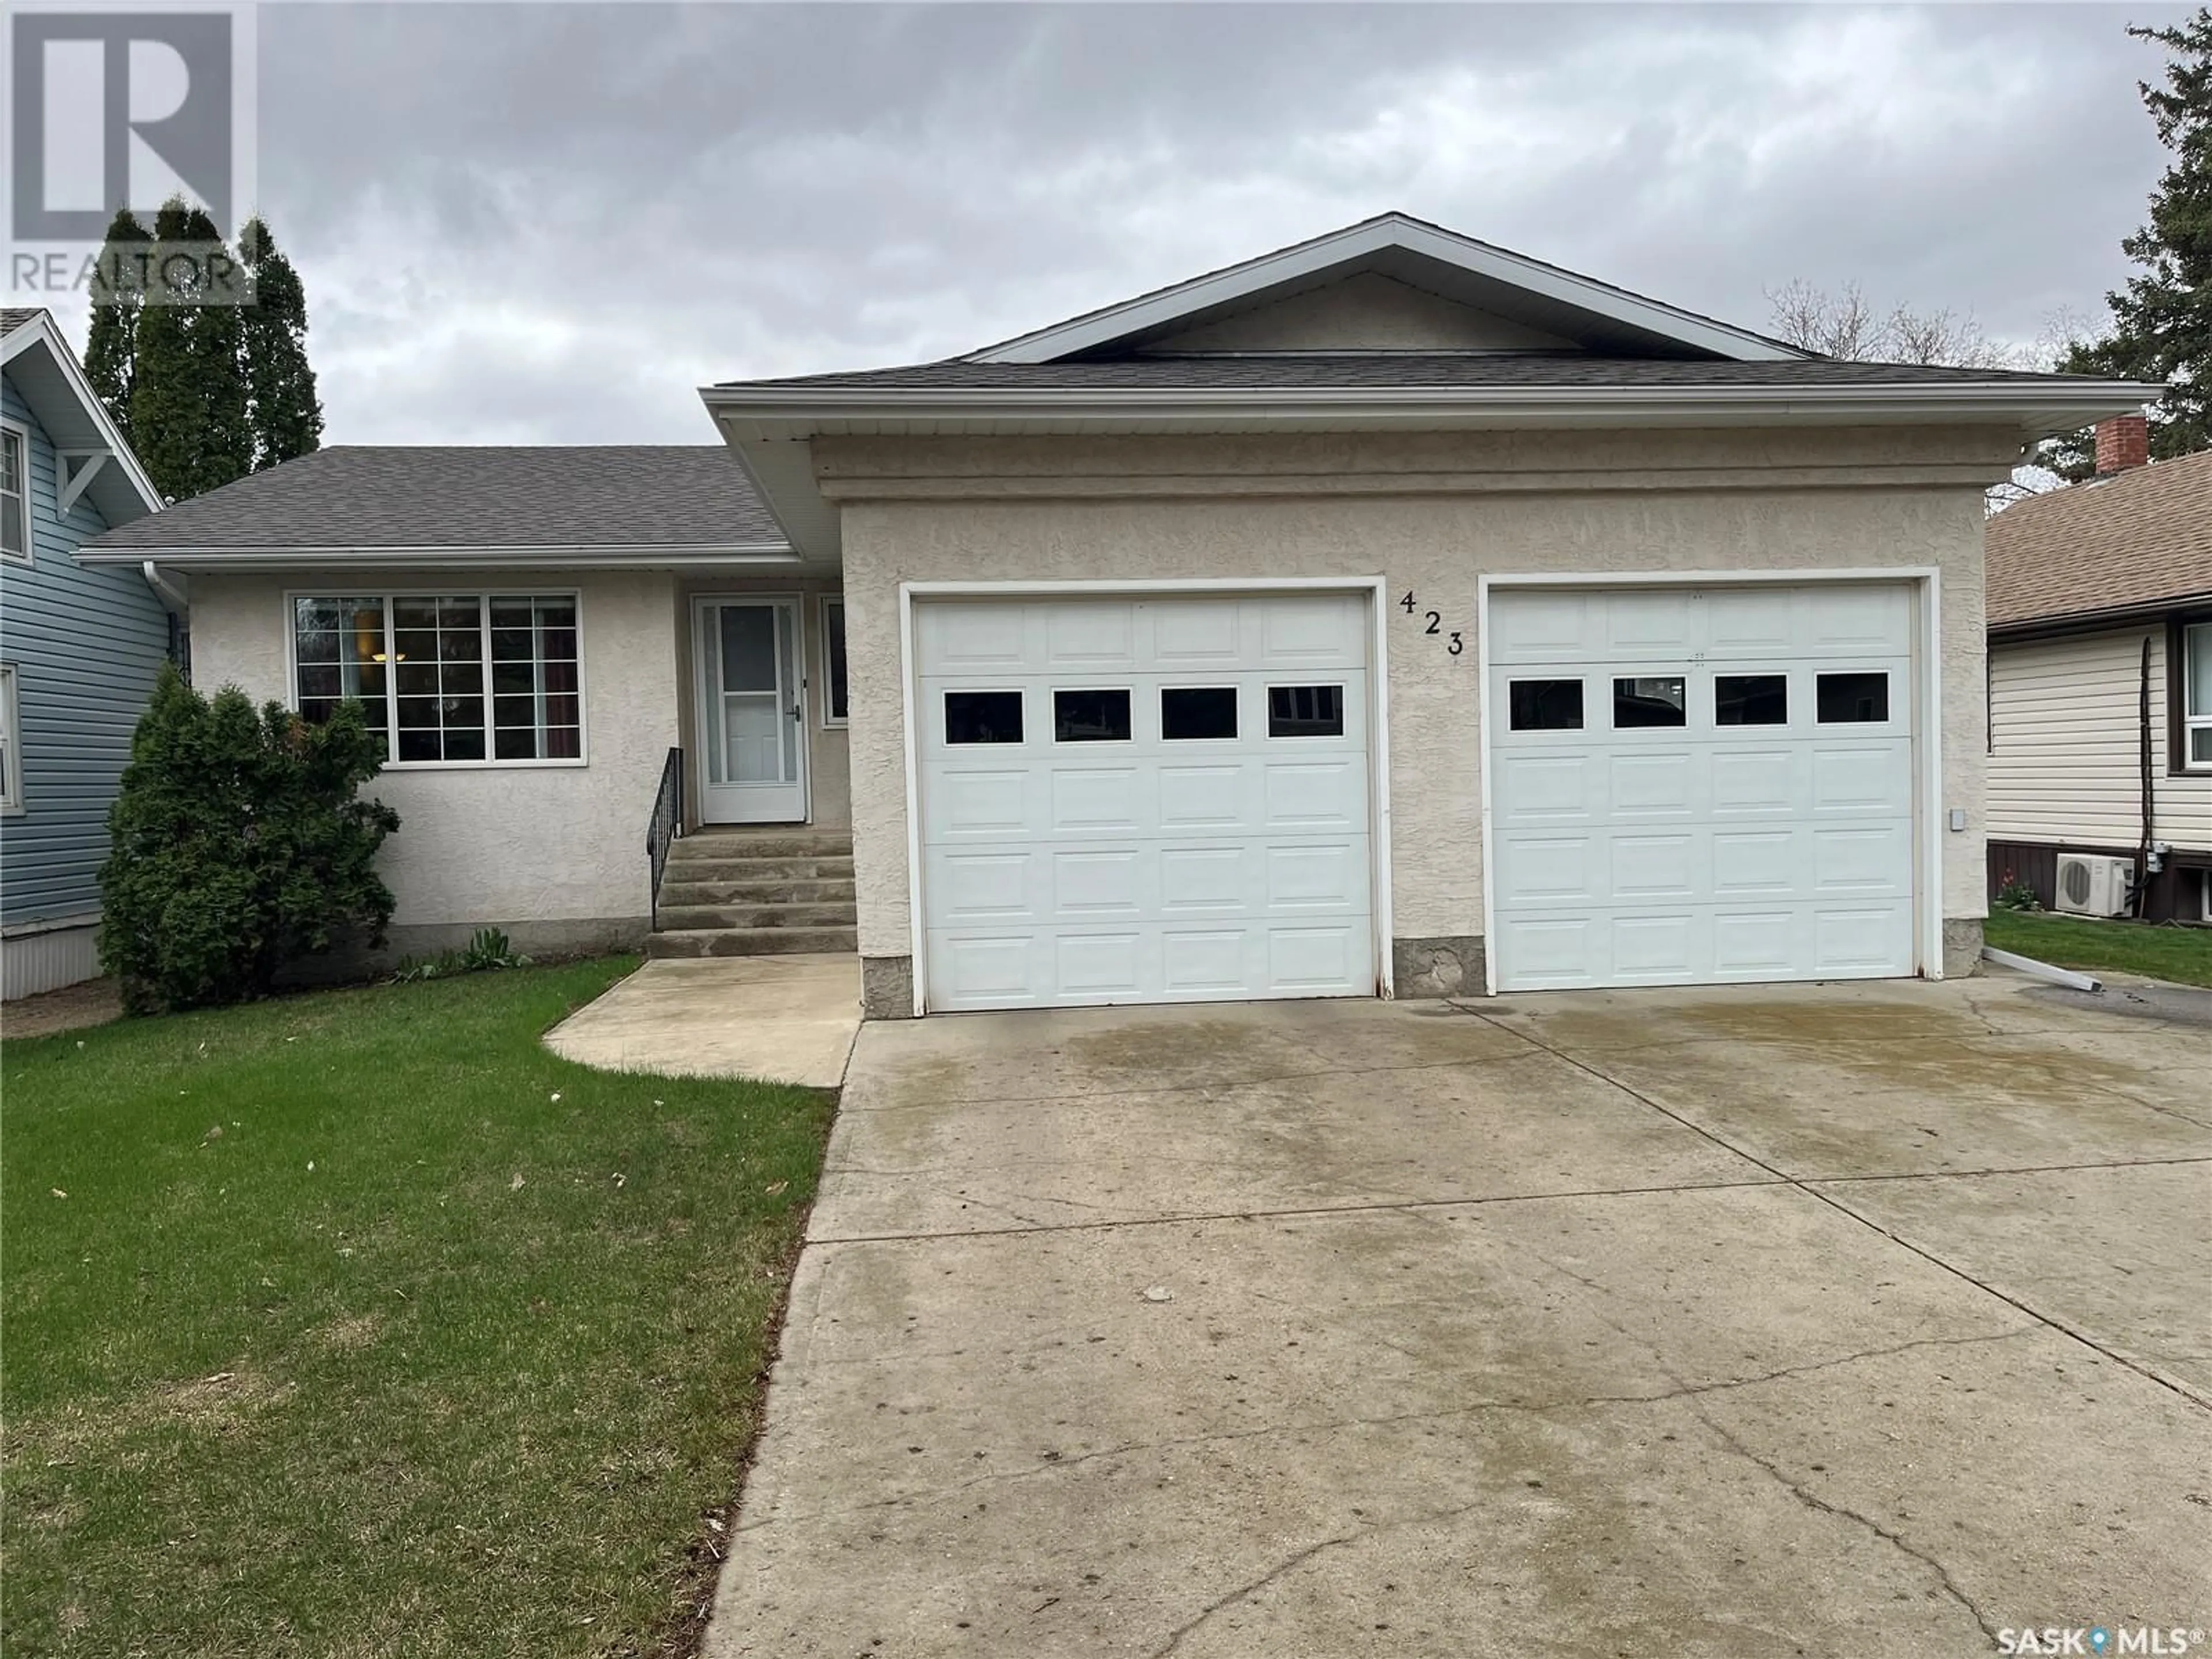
(1391, 614)
(2101, 659)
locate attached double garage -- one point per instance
(1183, 794)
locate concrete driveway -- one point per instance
(1828, 1320)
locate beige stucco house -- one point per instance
(1391, 614)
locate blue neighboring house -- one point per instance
(80, 646)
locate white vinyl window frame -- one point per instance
(16, 441)
(11, 745)
(388, 595)
(2196, 695)
(834, 650)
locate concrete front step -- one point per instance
(758, 844)
(674, 892)
(680, 917)
(762, 869)
(751, 941)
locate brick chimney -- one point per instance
(2123, 441)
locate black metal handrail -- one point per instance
(667, 822)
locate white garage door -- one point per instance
(1144, 800)
(1693, 785)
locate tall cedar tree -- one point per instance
(283, 412)
(2161, 325)
(110, 350)
(188, 418)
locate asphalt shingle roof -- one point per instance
(14, 316)
(1391, 370)
(355, 496)
(2139, 537)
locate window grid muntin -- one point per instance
(360, 640)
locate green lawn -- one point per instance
(359, 1324)
(2183, 955)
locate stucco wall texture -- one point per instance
(500, 844)
(1430, 513)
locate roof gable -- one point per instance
(1510, 287)
(96, 463)
(1364, 312)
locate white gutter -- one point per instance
(443, 558)
(2059, 404)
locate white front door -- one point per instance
(752, 711)
(1694, 785)
(1150, 799)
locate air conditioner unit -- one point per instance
(2089, 885)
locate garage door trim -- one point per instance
(1378, 759)
(1926, 582)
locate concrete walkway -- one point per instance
(779, 1019)
(1823, 1319)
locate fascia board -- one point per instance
(800, 411)
(441, 558)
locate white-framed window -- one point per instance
(2196, 696)
(11, 745)
(833, 656)
(453, 679)
(14, 494)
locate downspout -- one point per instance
(178, 604)
(2142, 848)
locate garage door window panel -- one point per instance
(1859, 697)
(982, 717)
(1649, 700)
(1305, 711)
(1751, 700)
(1091, 716)
(1198, 713)
(1545, 705)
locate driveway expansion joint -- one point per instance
(1802, 1184)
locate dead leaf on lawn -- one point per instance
(775, 1187)
(620, 1179)
(515, 1185)
(59, 1192)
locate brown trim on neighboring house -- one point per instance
(2100, 621)
(2176, 692)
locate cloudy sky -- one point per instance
(537, 222)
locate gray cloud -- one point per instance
(531, 222)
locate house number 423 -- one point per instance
(1435, 624)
